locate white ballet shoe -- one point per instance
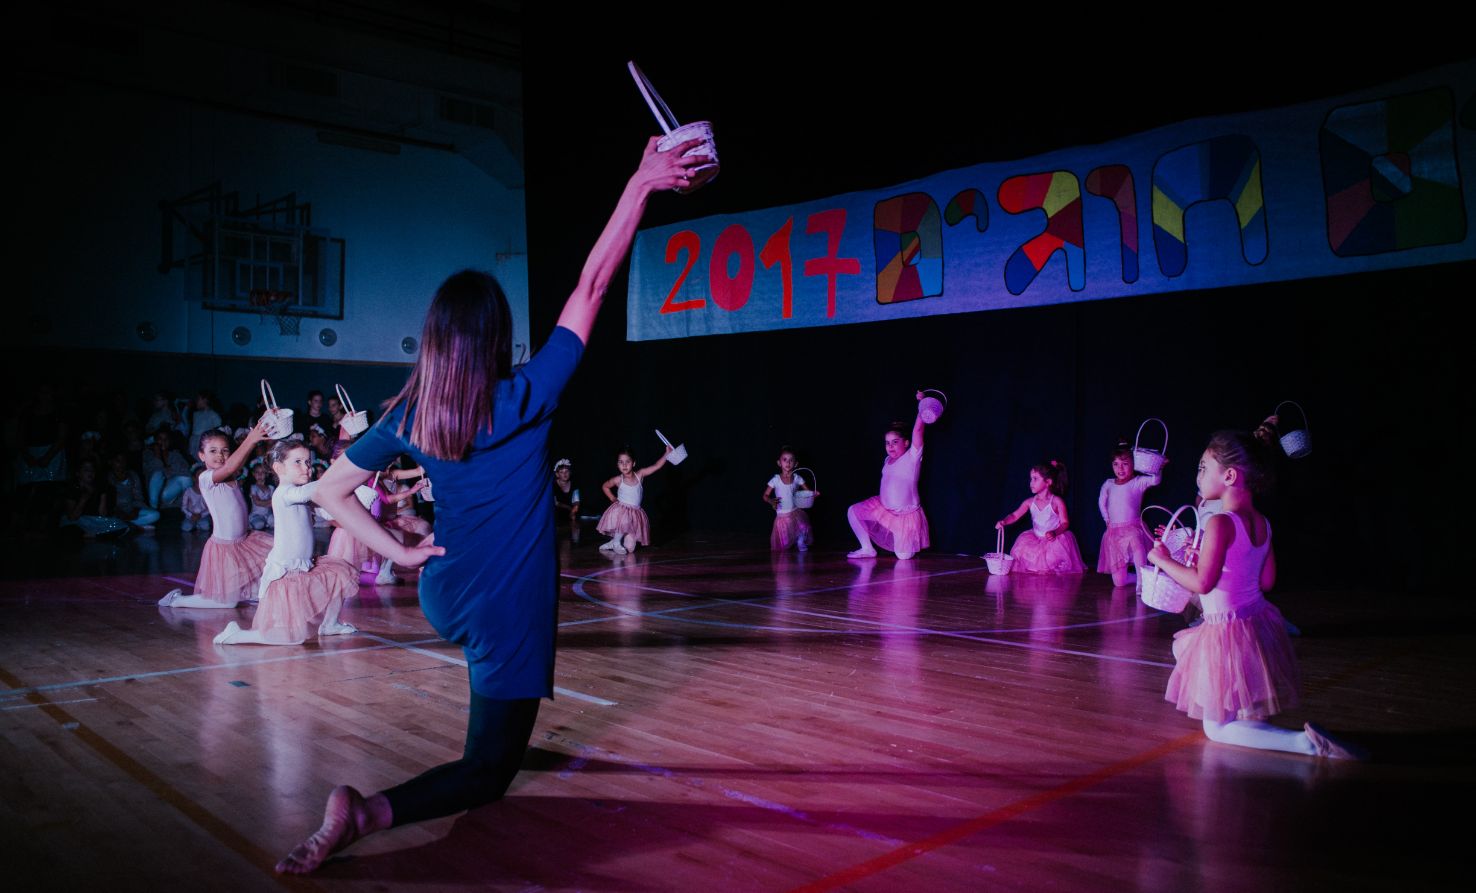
(861, 553)
(228, 633)
(337, 629)
(609, 547)
(905, 556)
(168, 600)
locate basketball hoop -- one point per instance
(274, 305)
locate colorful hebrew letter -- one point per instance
(909, 248)
(1226, 168)
(1115, 182)
(1389, 172)
(1059, 195)
(968, 203)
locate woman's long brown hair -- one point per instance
(465, 348)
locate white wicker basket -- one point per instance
(1146, 460)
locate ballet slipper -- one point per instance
(229, 633)
(862, 553)
(168, 600)
(1329, 747)
(337, 628)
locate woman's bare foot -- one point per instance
(346, 818)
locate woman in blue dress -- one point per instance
(480, 428)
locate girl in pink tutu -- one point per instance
(231, 562)
(394, 506)
(1048, 546)
(894, 518)
(791, 524)
(1237, 668)
(1126, 543)
(342, 544)
(296, 592)
(625, 522)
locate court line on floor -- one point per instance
(203, 818)
(1009, 811)
(908, 852)
(446, 658)
(588, 751)
(181, 671)
(623, 612)
(750, 600)
(33, 706)
(579, 590)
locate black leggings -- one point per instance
(497, 735)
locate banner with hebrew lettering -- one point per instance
(1369, 181)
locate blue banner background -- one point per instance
(1366, 181)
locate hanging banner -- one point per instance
(1370, 181)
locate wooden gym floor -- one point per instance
(728, 720)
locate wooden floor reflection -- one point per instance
(731, 720)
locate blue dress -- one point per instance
(495, 592)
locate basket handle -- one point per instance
(813, 479)
(343, 397)
(939, 393)
(1173, 515)
(1305, 421)
(999, 540)
(1165, 449)
(664, 440)
(267, 396)
(653, 99)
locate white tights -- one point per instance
(1257, 734)
(233, 634)
(177, 599)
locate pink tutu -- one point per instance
(294, 605)
(345, 545)
(1117, 546)
(1035, 554)
(620, 519)
(230, 570)
(1235, 665)
(905, 532)
(790, 528)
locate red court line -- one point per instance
(1005, 813)
(995, 817)
(206, 820)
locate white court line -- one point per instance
(104, 680)
(622, 612)
(973, 638)
(579, 585)
(568, 693)
(49, 703)
(754, 600)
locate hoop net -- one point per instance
(274, 305)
